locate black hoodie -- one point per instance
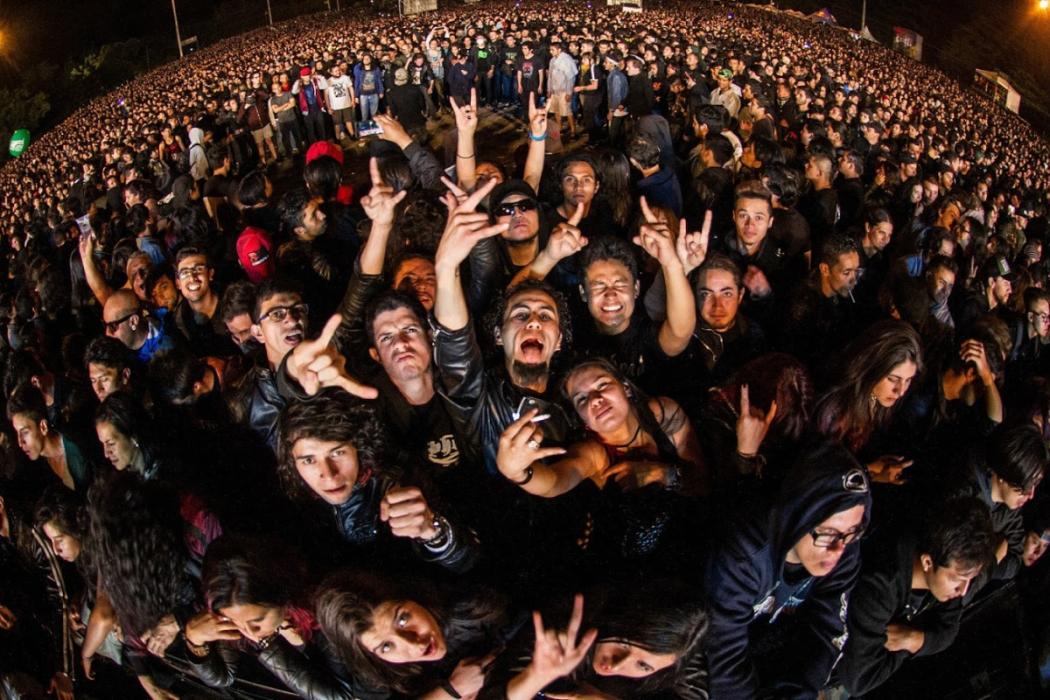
(747, 586)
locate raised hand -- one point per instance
(465, 227)
(692, 247)
(556, 654)
(317, 364)
(393, 131)
(466, 115)
(537, 117)
(520, 445)
(381, 201)
(656, 239)
(566, 239)
(752, 425)
(889, 469)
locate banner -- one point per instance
(907, 42)
(19, 143)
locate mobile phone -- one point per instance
(84, 224)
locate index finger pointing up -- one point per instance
(647, 213)
(577, 215)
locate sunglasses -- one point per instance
(521, 207)
(112, 326)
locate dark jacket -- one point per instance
(256, 402)
(359, 524)
(748, 589)
(313, 672)
(484, 402)
(662, 189)
(884, 595)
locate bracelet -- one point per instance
(465, 157)
(542, 138)
(439, 540)
(450, 689)
(528, 476)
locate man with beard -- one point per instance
(822, 314)
(196, 314)
(530, 325)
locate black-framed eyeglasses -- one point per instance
(195, 271)
(279, 313)
(112, 326)
(521, 207)
(827, 540)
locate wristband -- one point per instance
(450, 689)
(542, 138)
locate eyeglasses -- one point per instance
(112, 326)
(521, 207)
(827, 540)
(1037, 316)
(279, 313)
(196, 271)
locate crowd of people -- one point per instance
(729, 381)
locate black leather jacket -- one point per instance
(257, 403)
(483, 403)
(311, 672)
(359, 524)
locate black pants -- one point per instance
(291, 136)
(314, 123)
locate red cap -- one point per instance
(303, 72)
(324, 148)
(253, 252)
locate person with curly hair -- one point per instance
(333, 448)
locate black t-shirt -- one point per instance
(511, 54)
(217, 186)
(530, 72)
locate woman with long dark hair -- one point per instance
(645, 640)
(148, 542)
(640, 456)
(876, 372)
(257, 604)
(124, 431)
(755, 422)
(412, 638)
(633, 439)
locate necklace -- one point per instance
(631, 441)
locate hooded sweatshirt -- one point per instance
(750, 583)
(198, 159)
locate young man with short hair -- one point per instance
(38, 438)
(333, 446)
(108, 366)
(908, 602)
(196, 315)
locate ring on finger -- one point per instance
(533, 443)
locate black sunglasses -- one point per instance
(112, 326)
(509, 208)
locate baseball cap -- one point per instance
(725, 74)
(304, 71)
(506, 189)
(998, 266)
(253, 253)
(324, 148)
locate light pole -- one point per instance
(864, 15)
(269, 14)
(178, 35)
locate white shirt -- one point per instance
(338, 92)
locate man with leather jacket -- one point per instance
(334, 446)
